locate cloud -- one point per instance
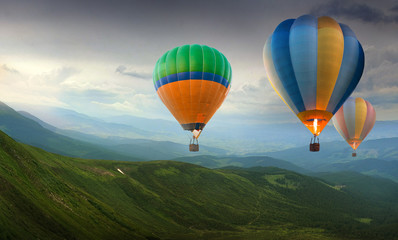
(355, 10)
(135, 104)
(379, 82)
(394, 9)
(122, 70)
(9, 69)
(254, 101)
(381, 69)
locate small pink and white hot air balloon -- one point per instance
(354, 120)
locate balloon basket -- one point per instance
(354, 154)
(194, 145)
(314, 146)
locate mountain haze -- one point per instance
(29, 129)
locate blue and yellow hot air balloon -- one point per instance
(314, 64)
(192, 81)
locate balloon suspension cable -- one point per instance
(189, 136)
(195, 140)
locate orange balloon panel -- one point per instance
(315, 120)
(193, 102)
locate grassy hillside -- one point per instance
(375, 189)
(47, 196)
(30, 132)
(244, 162)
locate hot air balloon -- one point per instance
(354, 120)
(314, 64)
(192, 81)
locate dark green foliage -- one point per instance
(47, 196)
(245, 162)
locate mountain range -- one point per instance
(375, 157)
(235, 139)
(29, 129)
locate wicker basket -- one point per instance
(314, 147)
(193, 147)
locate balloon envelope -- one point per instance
(354, 120)
(314, 64)
(192, 81)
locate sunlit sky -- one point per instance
(97, 57)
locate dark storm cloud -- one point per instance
(122, 70)
(355, 10)
(394, 9)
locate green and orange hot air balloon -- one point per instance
(192, 81)
(314, 64)
(354, 120)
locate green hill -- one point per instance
(47, 196)
(371, 188)
(244, 162)
(30, 132)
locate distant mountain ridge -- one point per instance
(385, 149)
(374, 167)
(30, 132)
(236, 139)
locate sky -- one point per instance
(97, 57)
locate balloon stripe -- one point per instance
(186, 115)
(171, 95)
(162, 93)
(349, 116)
(370, 120)
(360, 116)
(195, 76)
(330, 55)
(182, 61)
(347, 70)
(210, 91)
(303, 50)
(340, 125)
(216, 88)
(355, 80)
(200, 58)
(283, 65)
(219, 96)
(274, 78)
